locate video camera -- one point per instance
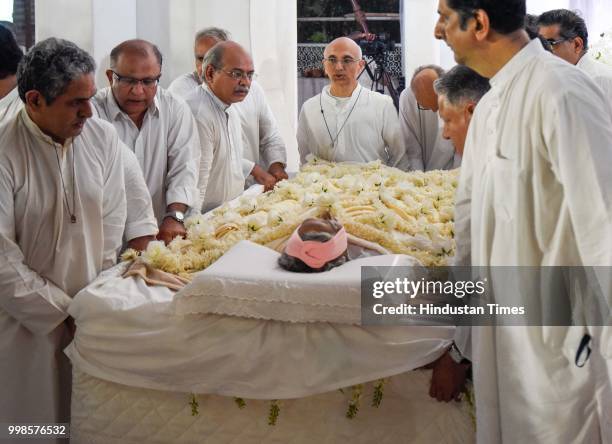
(377, 46)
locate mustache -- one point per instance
(242, 89)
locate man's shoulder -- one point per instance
(170, 103)
(99, 132)
(100, 101)
(374, 98)
(314, 103)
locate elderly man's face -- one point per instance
(133, 81)
(448, 28)
(66, 115)
(569, 50)
(342, 63)
(231, 82)
(456, 121)
(200, 49)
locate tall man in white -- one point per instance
(420, 125)
(61, 222)
(228, 71)
(261, 136)
(158, 127)
(567, 33)
(533, 191)
(347, 122)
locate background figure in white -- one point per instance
(261, 136)
(528, 197)
(228, 70)
(347, 122)
(157, 127)
(61, 221)
(420, 124)
(567, 32)
(10, 54)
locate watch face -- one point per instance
(179, 215)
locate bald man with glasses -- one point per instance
(157, 127)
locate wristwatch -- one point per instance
(178, 216)
(456, 355)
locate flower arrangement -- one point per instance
(404, 212)
(602, 49)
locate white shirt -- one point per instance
(260, 134)
(44, 258)
(600, 73)
(166, 147)
(364, 126)
(222, 167)
(535, 190)
(10, 105)
(421, 131)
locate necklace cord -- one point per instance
(71, 212)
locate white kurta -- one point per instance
(140, 218)
(422, 138)
(600, 73)
(45, 259)
(263, 143)
(536, 183)
(10, 105)
(166, 147)
(365, 125)
(222, 168)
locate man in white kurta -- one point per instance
(347, 122)
(261, 137)
(157, 127)
(61, 222)
(568, 31)
(534, 191)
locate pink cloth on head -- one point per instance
(315, 254)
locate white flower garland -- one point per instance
(602, 49)
(406, 213)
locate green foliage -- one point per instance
(194, 405)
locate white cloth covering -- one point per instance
(262, 289)
(535, 191)
(45, 259)
(128, 333)
(166, 147)
(10, 105)
(260, 134)
(600, 73)
(366, 127)
(422, 138)
(222, 167)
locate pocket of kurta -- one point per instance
(504, 177)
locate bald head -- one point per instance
(344, 45)
(422, 86)
(227, 67)
(135, 48)
(343, 64)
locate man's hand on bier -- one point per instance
(277, 169)
(169, 229)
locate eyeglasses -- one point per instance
(554, 42)
(130, 82)
(238, 74)
(344, 61)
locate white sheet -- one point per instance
(128, 334)
(248, 282)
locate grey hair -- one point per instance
(461, 84)
(291, 263)
(141, 47)
(50, 66)
(213, 57)
(438, 69)
(215, 33)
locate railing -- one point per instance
(310, 55)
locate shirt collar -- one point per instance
(37, 132)
(584, 60)
(216, 100)
(328, 97)
(114, 110)
(516, 64)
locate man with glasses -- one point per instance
(420, 124)
(262, 140)
(227, 71)
(347, 122)
(567, 33)
(158, 127)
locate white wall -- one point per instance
(267, 28)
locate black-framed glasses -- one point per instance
(345, 61)
(238, 74)
(554, 42)
(130, 82)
